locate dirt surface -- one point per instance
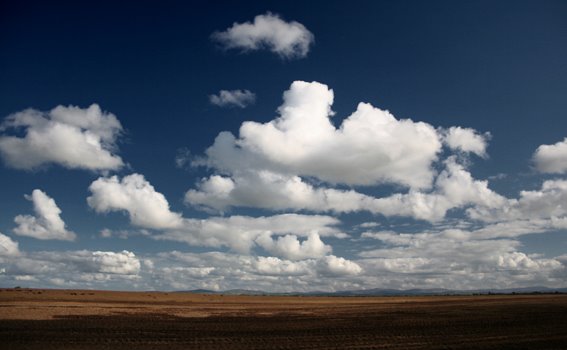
(73, 319)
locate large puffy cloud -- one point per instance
(233, 98)
(276, 165)
(370, 147)
(70, 136)
(551, 158)
(8, 247)
(47, 222)
(145, 206)
(286, 39)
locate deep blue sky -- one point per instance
(493, 66)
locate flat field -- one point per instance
(83, 319)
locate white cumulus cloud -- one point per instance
(453, 188)
(123, 263)
(70, 136)
(456, 259)
(370, 147)
(290, 247)
(296, 161)
(47, 222)
(8, 247)
(548, 202)
(240, 233)
(286, 39)
(467, 140)
(148, 208)
(233, 98)
(74, 269)
(145, 206)
(551, 158)
(274, 266)
(332, 265)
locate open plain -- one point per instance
(83, 319)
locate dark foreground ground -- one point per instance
(33, 319)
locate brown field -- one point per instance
(75, 319)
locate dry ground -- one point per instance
(75, 319)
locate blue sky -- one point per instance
(283, 146)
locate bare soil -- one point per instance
(82, 319)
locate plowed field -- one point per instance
(65, 319)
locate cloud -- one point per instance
(183, 158)
(455, 259)
(8, 247)
(551, 159)
(454, 187)
(544, 203)
(145, 206)
(123, 263)
(236, 271)
(291, 248)
(233, 98)
(148, 208)
(332, 265)
(467, 140)
(370, 147)
(288, 40)
(276, 267)
(47, 222)
(240, 233)
(74, 269)
(72, 137)
(302, 161)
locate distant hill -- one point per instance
(388, 292)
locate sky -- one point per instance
(283, 146)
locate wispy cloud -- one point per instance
(233, 98)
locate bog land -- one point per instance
(84, 319)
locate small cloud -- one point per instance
(8, 247)
(286, 39)
(291, 248)
(106, 233)
(122, 234)
(551, 159)
(233, 98)
(371, 224)
(72, 137)
(467, 140)
(47, 222)
(499, 176)
(183, 158)
(133, 194)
